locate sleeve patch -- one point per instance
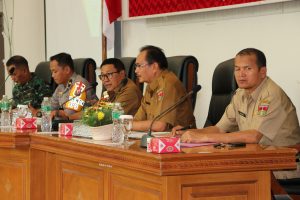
(263, 108)
(160, 95)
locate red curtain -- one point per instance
(152, 7)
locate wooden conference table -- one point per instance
(48, 167)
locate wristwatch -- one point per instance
(39, 114)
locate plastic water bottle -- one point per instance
(5, 111)
(46, 122)
(117, 133)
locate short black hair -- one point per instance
(63, 60)
(260, 56)
(17, 61)
(118, 64)
(155, 54)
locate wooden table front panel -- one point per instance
(71, 169)
(14, 174)
(220, 186)
(128, 185)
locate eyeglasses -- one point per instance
(107, 75)
(136, 65)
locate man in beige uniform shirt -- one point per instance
(163, 90)
(259, 112)
(120, 89)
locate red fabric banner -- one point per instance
(153, 7)
(114, 8)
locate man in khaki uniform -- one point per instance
(119, 88)
(163, 90)
(259, 112)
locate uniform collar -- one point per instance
(254, 95)
(70, 82)
(155, 83)
(113, 94)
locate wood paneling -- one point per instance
(48, 167)
(126, 187)
(14, 174)
(235, 185)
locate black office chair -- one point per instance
(86, 68)
(223, 87)
(186, 69)
(128, 63)
(83, 66)
(42, 70)
(130, 70)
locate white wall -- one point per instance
(26, 20)
(74, 26)
(213, 37)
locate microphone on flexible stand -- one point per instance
(182, 99)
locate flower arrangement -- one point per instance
(99, 114)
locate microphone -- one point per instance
(79, 93)
(182, 99)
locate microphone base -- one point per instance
(144, 140)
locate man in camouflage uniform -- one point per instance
(29, 89)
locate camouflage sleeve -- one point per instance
(41, 90)
(15, 99)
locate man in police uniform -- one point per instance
(29, 89)
(163, 90)
(259, 112)
(72, 91)
(119, 88)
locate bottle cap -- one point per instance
(126, 117)
(22, 106)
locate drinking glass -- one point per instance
(22, 110)
(126, 124)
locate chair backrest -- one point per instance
(129, 66)
(83, 66)
(223, 87)
(43, 71)
(86, 68)
(186, 68)
(130, 70)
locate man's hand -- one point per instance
(191, 136)
(176, 131)
(59, 114)
(32, 110)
